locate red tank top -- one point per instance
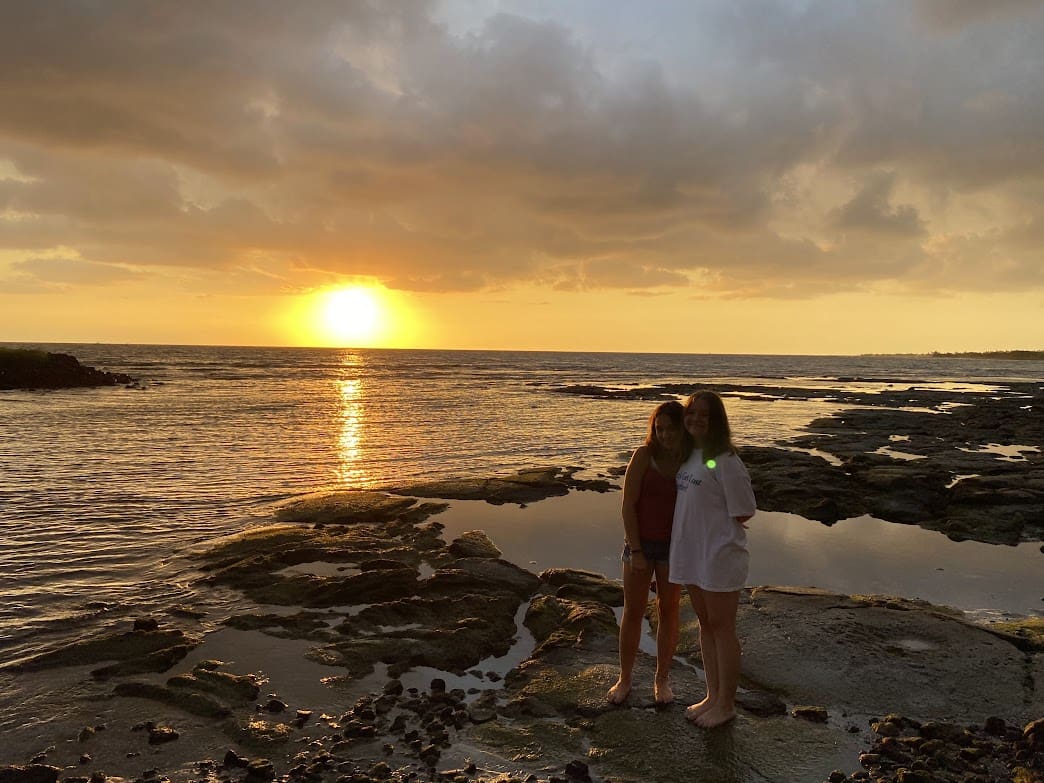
(656, 505)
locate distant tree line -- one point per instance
(1038, 355)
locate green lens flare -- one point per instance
(712, 464)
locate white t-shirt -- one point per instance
(708, 545)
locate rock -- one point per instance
(816, 714)
(194, 703)
(578, 770)
(579, 585)
(342, 508)
(29, 369)
(526, 486)
(560, 622)
(146, 624)
(761, 703)
(905, 648)
(276, 705)
(222, 685)
(161, 734)
(107, 647)
(482, 575)
(32, 773)
(474, 543)
(260, 769)
(1033, 735)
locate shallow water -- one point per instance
(861, 555)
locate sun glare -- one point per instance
(351, 316)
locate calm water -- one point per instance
(102, 490)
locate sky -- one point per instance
(697, 176)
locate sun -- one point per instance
(351, 316)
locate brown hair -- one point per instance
(674, 411)
(718, 439)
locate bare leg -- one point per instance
(709, 652)
(668, 597)
(721, 615)
(636, 599)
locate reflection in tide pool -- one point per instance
(861, 555)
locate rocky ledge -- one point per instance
(969, 464)
(27, 369)
(365, 585)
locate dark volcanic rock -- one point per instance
(579, 585)
(25, 369)
(127, 646)
(474, 543)
(31, 773)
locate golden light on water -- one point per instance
(350, 439)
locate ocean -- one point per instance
(104, 491)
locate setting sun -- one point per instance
(352, 315)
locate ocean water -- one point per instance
(103, 491)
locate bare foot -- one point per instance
(619, 692)
(662, 692)
(715, 716)
(694, 711)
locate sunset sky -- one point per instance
(693, 176)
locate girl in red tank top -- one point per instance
(648, 512)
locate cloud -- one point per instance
(46, 273)
(871, 210)
(385, 140)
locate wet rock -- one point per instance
(107, 647)
(257, 733)
(260, 769)
(1033, 735)
(816, 714)
(31, 773)
(275, 705)
(302, 625)
(158, 661)
(474, 543)
(222, 685)
(146, 624)
(189, 701)
(905, 648)
(578, 771)
(560, 622)
(579, 585)
(159, 735)
(339, 508)
(482, 575)
(761, 703)
(32, 369)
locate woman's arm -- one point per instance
(632, 489)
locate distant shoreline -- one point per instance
(1024, 355)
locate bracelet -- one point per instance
(635, 550)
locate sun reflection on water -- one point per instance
(349, 466)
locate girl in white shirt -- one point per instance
(709, 549)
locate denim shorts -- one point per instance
(654, 551)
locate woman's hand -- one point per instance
(638, 561)
(743, 521)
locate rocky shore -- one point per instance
(27, 369)
(414, 658)
(969, 464)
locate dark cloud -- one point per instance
(871, 210)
